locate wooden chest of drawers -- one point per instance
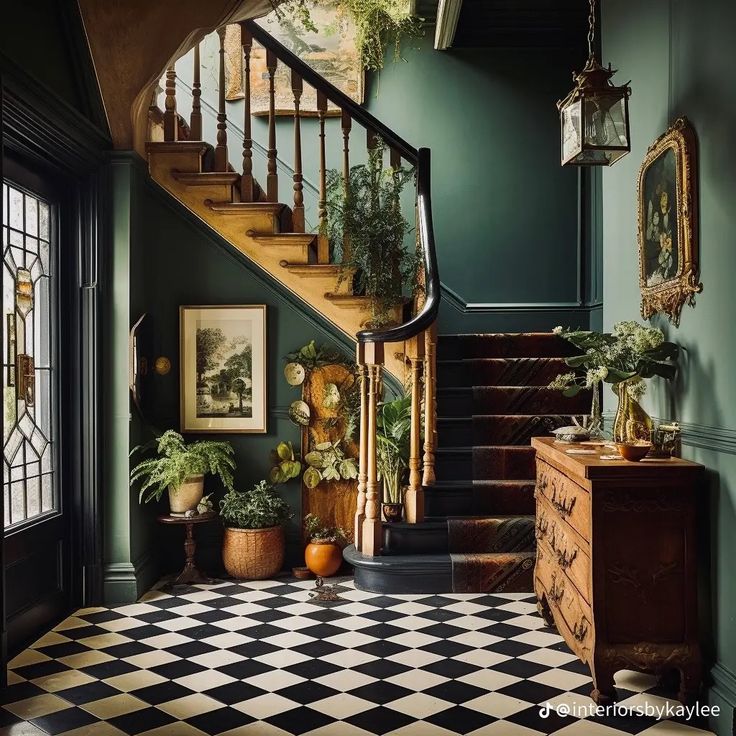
(616, 566)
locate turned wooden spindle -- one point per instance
(195, 119)
(347, 124)
(430, 404)
(246, 180)
(272, 177)
(297, 87)
(323, 243)
(221, 159)
(363, 445)
(171, 126)
(414, 500)
(372, 528)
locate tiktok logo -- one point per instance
(545, 710)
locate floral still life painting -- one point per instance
(223, 368)
(668, 247)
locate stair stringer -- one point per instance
(241, 230)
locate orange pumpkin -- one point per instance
(323, 558)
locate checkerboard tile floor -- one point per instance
(261, 658)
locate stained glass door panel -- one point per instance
(30, 487)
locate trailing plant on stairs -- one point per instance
(378, 23)
(364, 214)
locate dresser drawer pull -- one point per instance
(563, 505)
(565, 558)
(556, 591)
(580, 630)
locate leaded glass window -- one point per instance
(29, 313)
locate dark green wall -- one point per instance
(679, 55)
(506, 214)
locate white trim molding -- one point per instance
(448, 14)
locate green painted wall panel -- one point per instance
(675, 52)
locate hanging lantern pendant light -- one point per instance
(594, 117)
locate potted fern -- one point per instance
(393, 436)
(253, 546)
(365, 212)
(323, 554)
(180, 469)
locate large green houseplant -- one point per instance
(393, 436)
(253, 546)
(180, 469)
(367, 227)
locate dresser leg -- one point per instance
(689, 685)
(604, 692)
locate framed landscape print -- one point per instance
(223, 368)
(331, 51)
(667, 209)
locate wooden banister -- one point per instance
(171, 122)
(195, 119)
(272, 177)
(246, 180)
(221, 160)
(297, 87)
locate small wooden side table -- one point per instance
(191, 573)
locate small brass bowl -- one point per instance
(633, 451)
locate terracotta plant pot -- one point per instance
(323, 558)
(392, 512)
(253, 554)
(187, 495)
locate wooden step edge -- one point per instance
(347, 300)
(239, 208)
(206, 178)
(177, 146)
(313, 269)
(305, 239)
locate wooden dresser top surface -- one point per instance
(592, 467)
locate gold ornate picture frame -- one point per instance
(667, 200)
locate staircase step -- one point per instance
(509, 533)
(329, 273)
(458, 402)
(499, 371)
(479, 498)
(206, 178)
(296, 248)
(185, 156)
(433, 573)
(277, 215)
(497, 429)
(504, 345)
(509, 463)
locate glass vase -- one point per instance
(631, 423)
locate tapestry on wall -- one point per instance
(667, 202)
(331, 52)
(223, 368)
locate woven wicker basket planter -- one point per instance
(253, 554)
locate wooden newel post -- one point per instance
(221, 147)
(414, 499)
(246, 180)
(363, 446)
(171, 126)
(430, 404)
(372, 528)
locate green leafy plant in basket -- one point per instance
(178, 462)
(327, 461)
(285, 464)
(259, 508)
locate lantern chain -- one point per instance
(591, 28)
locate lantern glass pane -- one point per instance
(605, 122)
(571, 130)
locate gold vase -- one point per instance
(631, 422)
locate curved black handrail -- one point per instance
(418, 157)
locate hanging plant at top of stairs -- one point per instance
(366, 225)
(378, 23)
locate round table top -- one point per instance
(196, 519)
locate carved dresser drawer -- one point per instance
(567, 498)
(616, 566)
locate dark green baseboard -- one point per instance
(125, 582)
(723, 694)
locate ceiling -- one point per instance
(518, 23)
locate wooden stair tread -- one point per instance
(284, 238)
(206, 178)
(238, 208)
(315, 269)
